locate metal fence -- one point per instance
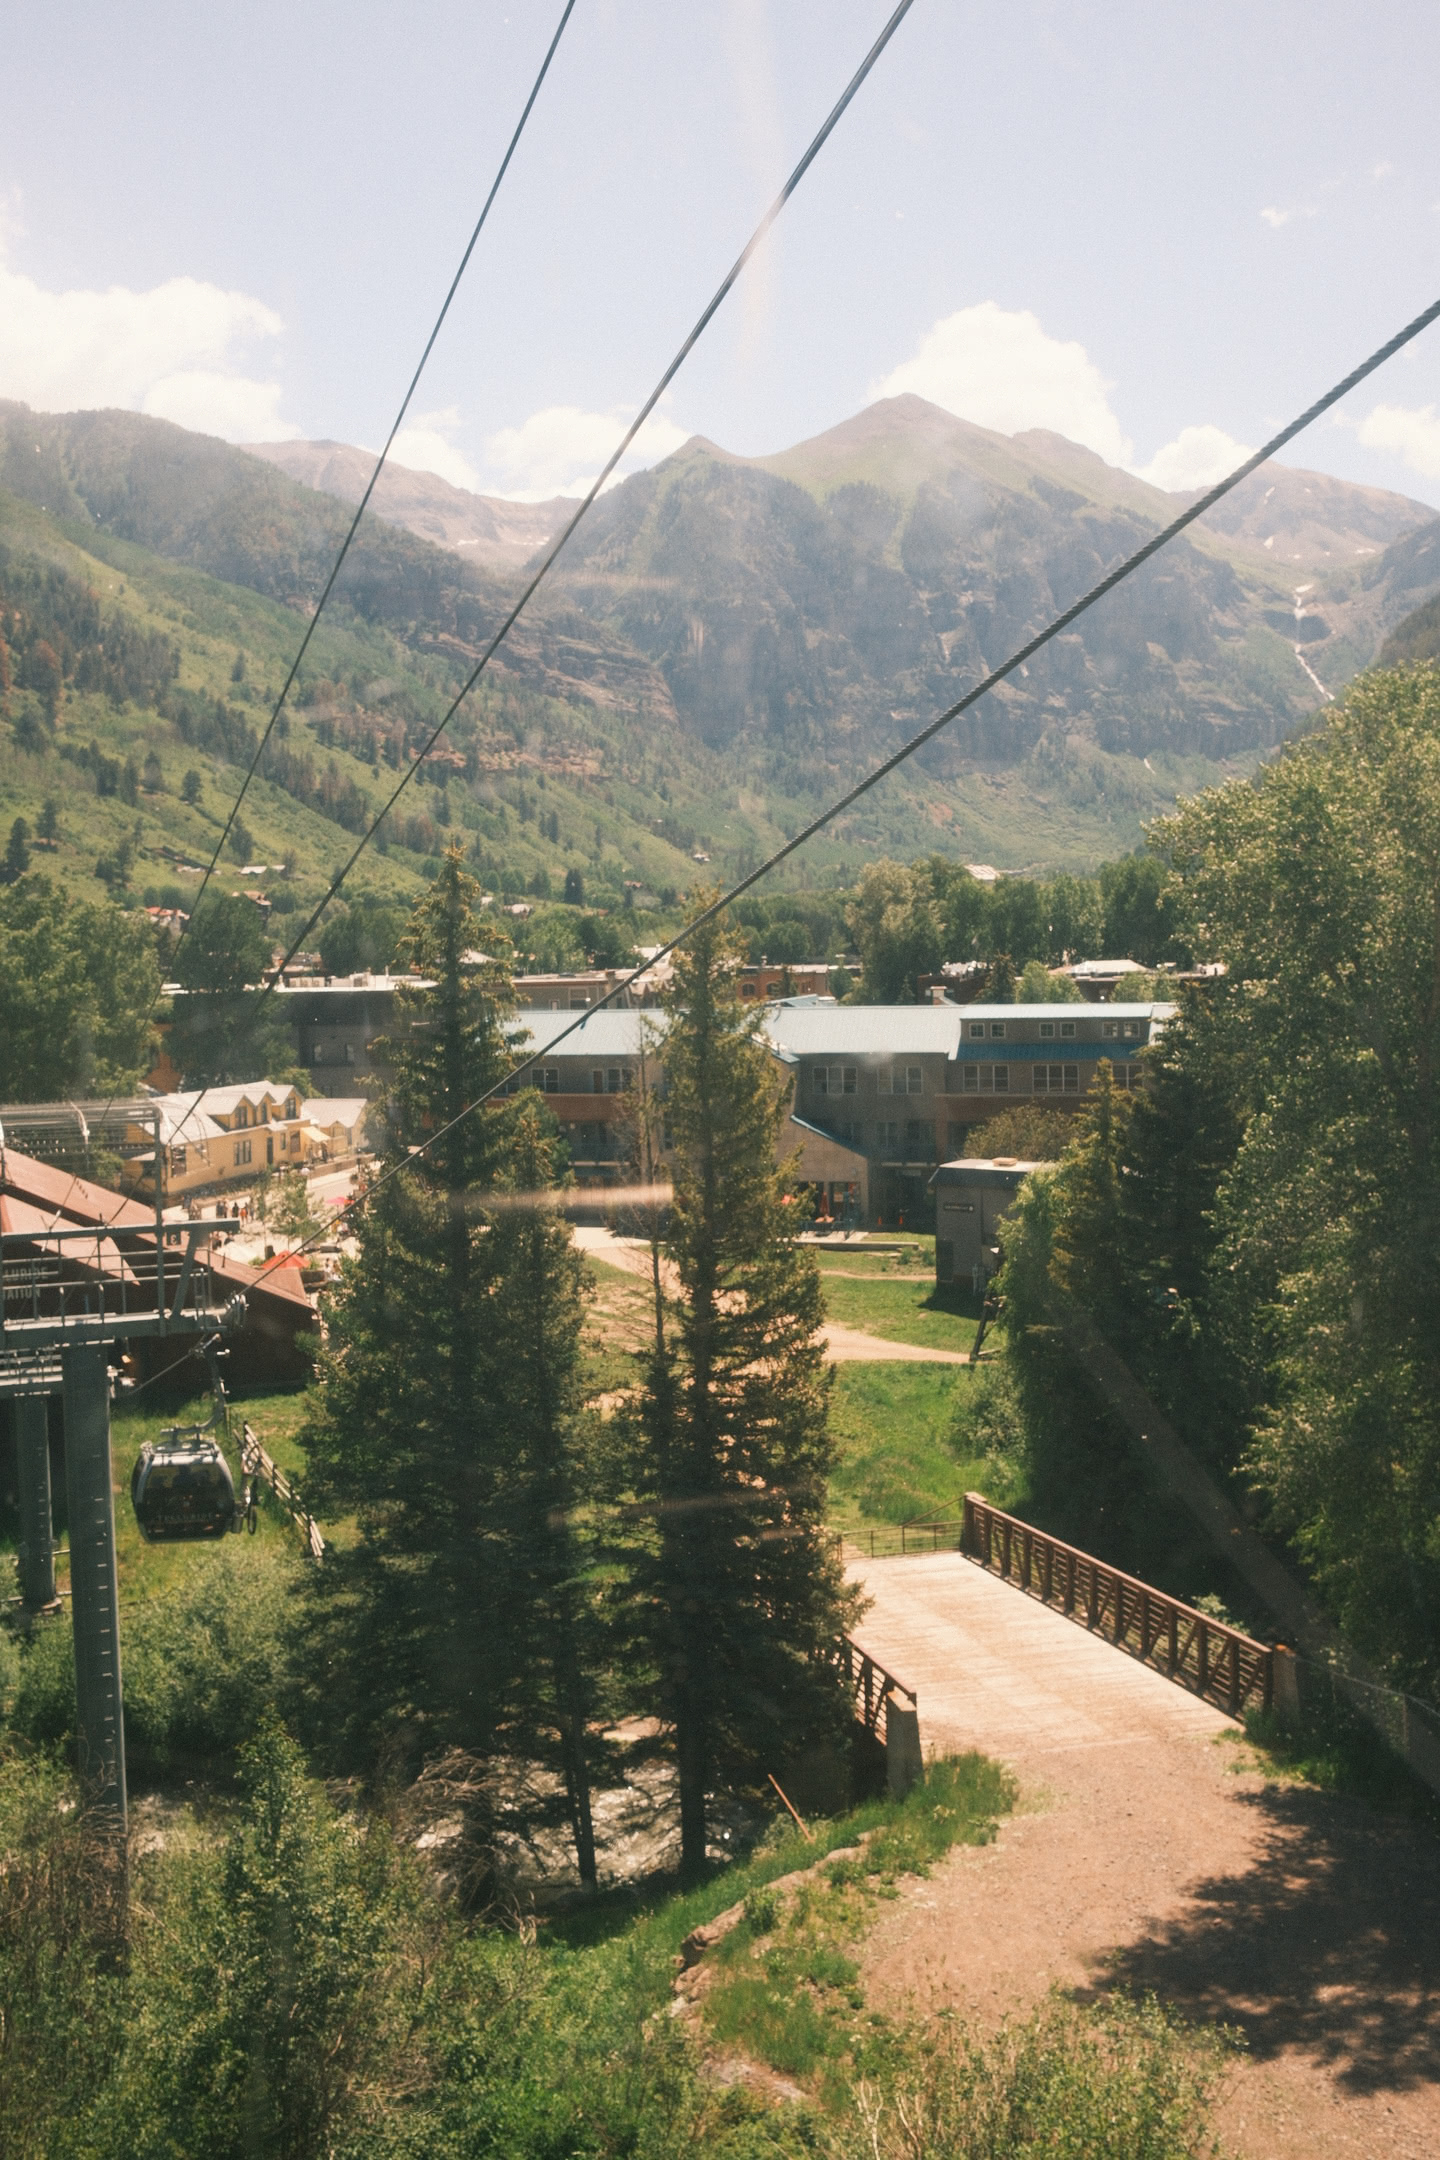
(871, 1688)
(256, 1463)
(1217, 1662)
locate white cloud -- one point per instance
(1412, 434)
(1197, 458)
(559, 450)
(169, 351)
(212, 403)
(999, 369)
(1275, 218)
(424, 445)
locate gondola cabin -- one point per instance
(182, 1489)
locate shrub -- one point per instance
(202, 1664)
(1125, 2082)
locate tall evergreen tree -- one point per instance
(536, 1310)
(742, 1592)
(410, 1434)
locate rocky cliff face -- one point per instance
(827, 600)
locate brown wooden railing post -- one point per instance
(1203, 1651)
(1092, 1601)
(1119, 1608)
(1174, 1640)
(1070, 1582)
(1144, 1625)
(967, 1524)
(1005, 1547)
(1234, 1676)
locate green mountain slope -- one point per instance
(730, 643)
(838, 594)
(122, 674)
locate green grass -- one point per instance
(899, 1311)
(1335, 1749)
(892, 1425)
(788, 1992)
(912, 1440)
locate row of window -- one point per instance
(1044, 1079)
(288, 1109)
(890, 1080)
(1110, 1030)
(603, 1080)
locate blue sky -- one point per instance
(1124, 221)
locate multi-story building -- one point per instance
(225, 1137)
(588, 1079)
(883, 1093)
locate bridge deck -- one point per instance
(1144, 1853)
(996, 1670)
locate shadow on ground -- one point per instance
(1330, 1944)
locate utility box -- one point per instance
(971, 1201)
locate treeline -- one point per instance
(53, 635)
(1258, 1230)
(77, 983)
(908, 920)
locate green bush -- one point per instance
(201, 1665)
(1125, 2082)
(271, 1996)
(61, 1916)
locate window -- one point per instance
(292, 1108)
(887, 1138)
(969, 1079)
(985, 1079)
(833, 1079)
(1132, 1027)
(902, 1080)
(1047, 1030)
(1128, 1076)
(617, 1079)
(1109, 1029)
(242, 1151)
(242, 1118)
(1001, 1081)
(1067, 1027)
(178, 1161)
(1057, 1079)
(997, 1030)
(264, 1117)
(597, 1082)
(550, 1079)
(919, 1139)
(977, 1028)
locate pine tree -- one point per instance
(536, 1310)
(742, 1592)
(410, 1432)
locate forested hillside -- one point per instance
(726, 643)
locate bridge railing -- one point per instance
(1217, 1662)
(871, 1688)
(884, 1541)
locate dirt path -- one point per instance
(843, 1345)
(1141, 1856)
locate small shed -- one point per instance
(971, 1198)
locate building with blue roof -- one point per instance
(881, 1095)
